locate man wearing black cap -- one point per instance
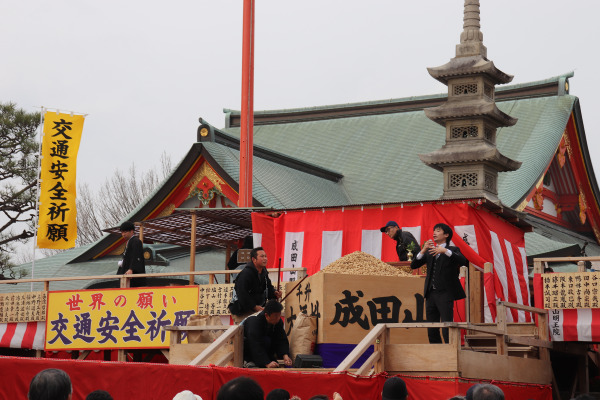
(394, 388)
(403, 239)
(133, 257)
(442, 286)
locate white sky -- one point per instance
(145, 71)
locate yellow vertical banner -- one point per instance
(57, 228)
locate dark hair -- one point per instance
(273, 306)
(50, 384)
(394, 388)
(278, 394)
(248, 242)
(469, 395)
(254, 252)
(446, 229)
(319, 397)
(99, 395)
(127, 226)
(241, 388)
(488, 392)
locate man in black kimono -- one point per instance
(265, 340)
(133, 257)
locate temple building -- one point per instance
(520, 147)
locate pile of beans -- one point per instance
(359, 263)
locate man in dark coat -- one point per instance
(402, 238)
(133, 257)
(252, 287)
(265, 340)
(442, 285)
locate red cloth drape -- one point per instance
(160, 381)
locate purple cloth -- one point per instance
(334, 353)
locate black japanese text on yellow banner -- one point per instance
(57, 212)
(117, 318)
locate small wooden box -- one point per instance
(243, 256)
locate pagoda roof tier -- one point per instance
(459, 67)
(458, 154)
(470, 109)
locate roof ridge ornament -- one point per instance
(471, 38)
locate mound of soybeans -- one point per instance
(359, 263)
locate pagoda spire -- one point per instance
(470, 160)
(471, 38)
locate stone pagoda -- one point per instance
(470, 159)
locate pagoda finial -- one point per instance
(471, 38)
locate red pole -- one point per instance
(247, 122)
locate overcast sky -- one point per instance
(145, 71)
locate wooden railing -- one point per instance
(540, 263)
(380, 338)
(124, 279)
(232, 340)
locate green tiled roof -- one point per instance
(547, 237)
(378, 154)
(539, 244)
(279, 186)
(533, 140)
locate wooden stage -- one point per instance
(515, 352)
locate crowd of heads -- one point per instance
(394, 388)
(55, 384)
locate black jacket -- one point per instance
(446, 272)
(133, 257)
(264, 342)
(253, 289)
(403, 239)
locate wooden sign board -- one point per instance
(349, 306)
(22, 307)
(214, 299)
(571, 290)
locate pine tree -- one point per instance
(18, 177)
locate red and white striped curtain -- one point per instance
(314, 238)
